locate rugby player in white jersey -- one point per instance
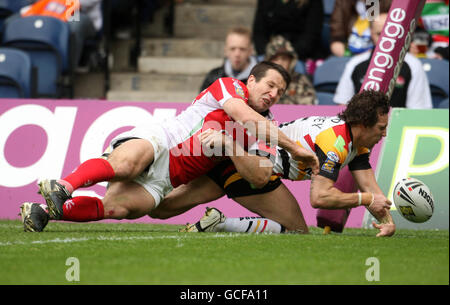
(343, 140)
(146, 163)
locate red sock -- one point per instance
(83, 208)
(88, 173)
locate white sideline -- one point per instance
(117, 238)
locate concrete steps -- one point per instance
(224, 2)
(154, 87)
(182, 47)
(210, 21)
(152, 96)
(166, 47)
(178, 65)
(172, 69)
(156, 82)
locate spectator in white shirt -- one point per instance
(411, 90)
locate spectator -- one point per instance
(238, 57)
(434, 20)
(85, 23)
(121, 11)
(349, 27)
(300, 90)
(420, 43)
(88, 25)
(126, 16)
(411, 90)
(299, 21)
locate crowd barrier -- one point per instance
(50, 138)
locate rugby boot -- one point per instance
(207, 223)
(55, 195)
(34, 217)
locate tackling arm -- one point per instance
(268, 132)
(255, 169)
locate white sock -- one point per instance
(249, 225)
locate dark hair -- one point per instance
(260, 69)
(365, 107)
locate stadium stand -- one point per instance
(124, 76)
(437, 73)
(16, 79)
(327, 75)
(325, 98)
(300, 67)
(443, 104)
(328, 6)
(47, 42)
(9, 8)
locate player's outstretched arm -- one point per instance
(367, 183)
(324, 195)
(265, 130)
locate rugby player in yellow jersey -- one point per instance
(343, 140)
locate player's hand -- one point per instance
(386, 229)
(379, 206)
(308, 158)
(214, 139)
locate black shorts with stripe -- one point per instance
(227, 177)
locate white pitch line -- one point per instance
(117, 238)
(4, 225)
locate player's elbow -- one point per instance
(239, 111)
(260, 178)
(260, 183)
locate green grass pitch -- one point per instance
(125, 253)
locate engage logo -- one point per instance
(383, 57)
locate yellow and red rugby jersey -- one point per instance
(329, 137)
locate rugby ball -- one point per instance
(413, 200)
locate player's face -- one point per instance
(267, 91)
(238, 49)
(375, 133)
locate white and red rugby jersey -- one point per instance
(187, 160)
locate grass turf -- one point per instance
(125, 253)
